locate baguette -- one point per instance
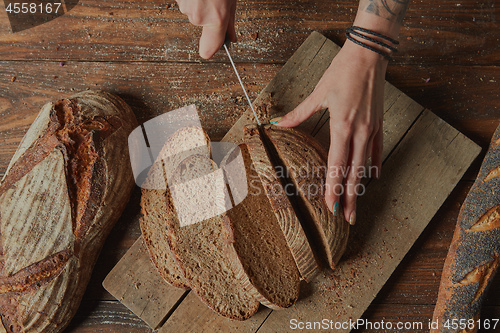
(474, 254)
(63, 191)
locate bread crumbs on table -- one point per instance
(255, 35)
(13, 79)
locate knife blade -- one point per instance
(227, 42)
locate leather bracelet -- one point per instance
(373, 40)
(376, 34)
(355, 41)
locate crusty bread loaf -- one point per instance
(263, 260)
(200, 249)
(306, 162)
(64, 189)
(186, 141)
(281, 206)
(474, 254)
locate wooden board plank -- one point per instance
(194, 316)
(137, 283)
(418, 176)
(149, 31)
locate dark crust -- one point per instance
(80, 141)
(473, 258)
(9, 314)
(36, 274)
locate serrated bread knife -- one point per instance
(226, 42)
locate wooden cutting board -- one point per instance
(424, 158)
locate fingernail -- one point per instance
(352, 218)
(335, 208)
(275, 120)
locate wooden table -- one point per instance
(144, 52)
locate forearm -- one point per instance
(382, 16)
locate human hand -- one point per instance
(216, 17)
(352, 88)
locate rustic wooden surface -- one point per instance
(146, 53)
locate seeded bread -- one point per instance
(474, 255)
(306, 162)
(258, 244)
(200, 249)
(184, 142)
(281, 206)
(64, 189)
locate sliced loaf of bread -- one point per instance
(184, 142)
(281, 207)
(260, 254)
(201, 249)
(306, 161)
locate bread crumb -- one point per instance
(255, 35)
(13, 79)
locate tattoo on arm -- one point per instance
(388, 9)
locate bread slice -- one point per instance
(181, 144)
(306, 161)
(281, 207)
(154, 231)
(200, 249)
(258, 246)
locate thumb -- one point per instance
(302, 112)
(212, 38)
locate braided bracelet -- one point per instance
(355, 41)
(376, 34)
(387, 46)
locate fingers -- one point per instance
(377, 149)
(302, 112)
(217, 18)
(337, 161)
(360, 139)
(212, 38)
